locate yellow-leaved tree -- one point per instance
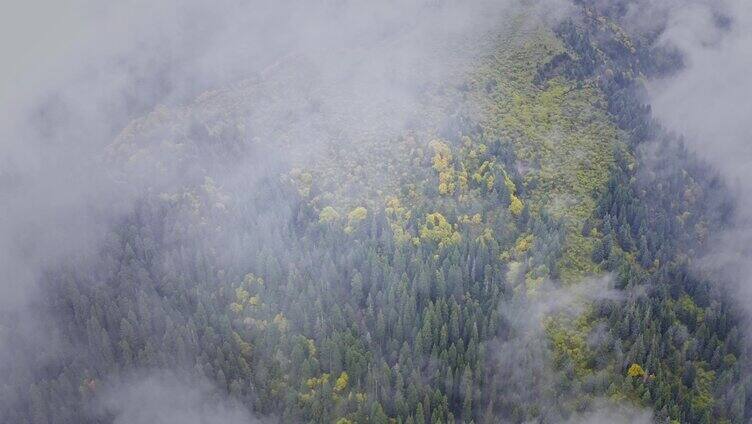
(442, 163)
(438, 230)
(635, 370)
(341, 383)
(328, 214)
(515, 205)
(355, 217)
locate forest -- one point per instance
(524, 249)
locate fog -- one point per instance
(105, 106)
(160, 397)
(524, 353)
(85, 70)
(707, 101)
(99, 97)
(708, 104)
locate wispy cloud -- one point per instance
(708, 104)
(161, 397)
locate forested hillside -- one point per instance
(521, 250)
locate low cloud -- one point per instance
(604, 411)
(335, 70)
(522, 356)
(340, 70)
(708, 104)
(163, 397)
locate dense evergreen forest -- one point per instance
(530, 258)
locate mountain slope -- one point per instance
(501, 250)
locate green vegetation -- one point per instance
(382, 285)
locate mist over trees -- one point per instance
(373, 212)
